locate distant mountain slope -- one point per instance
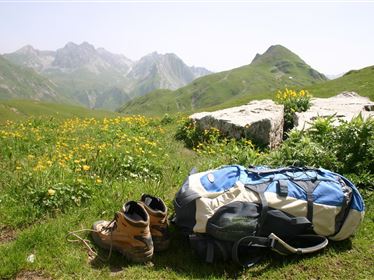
(18, 82)
(277, 68)
(157, 71)
(97, 78)
(31, 58)
(360, 81)
(15, 110)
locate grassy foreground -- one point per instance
(62, 175)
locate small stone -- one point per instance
(31, 258)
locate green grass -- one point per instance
(128, 156)
(266, 74)
(360, 81)
(22, 109)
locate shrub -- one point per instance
(293, 101)
(347, 149)
(193, 135)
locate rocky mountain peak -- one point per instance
(28, 49)
(274, 54)
(73, 56)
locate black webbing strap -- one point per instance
(260, 190)
(209, 252)
(213, 248)
(282, 188)
(309, 187)
(253, 246)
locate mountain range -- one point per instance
(276, 68)
(96, 78)
(21, 83)
(161, 83)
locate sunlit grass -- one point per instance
(62, 175)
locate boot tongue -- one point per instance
(155, 204)
(148, 200)
(126, 208)
(132, 210)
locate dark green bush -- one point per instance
(347, 149)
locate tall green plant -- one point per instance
(341, 146)
(293, 101)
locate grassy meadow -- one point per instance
(60, 175)
(15, 110)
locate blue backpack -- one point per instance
(235, 212)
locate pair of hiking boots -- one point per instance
(137, 230)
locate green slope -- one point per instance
(22, 109)
(22, 83)
(360, 81)
(89, 89)
(277, 68)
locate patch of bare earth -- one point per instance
(32, 275)
(7, 235)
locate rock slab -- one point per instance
(344, 106)
(261, 121)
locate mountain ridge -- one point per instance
(276, 68)
(85, 74)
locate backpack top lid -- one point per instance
(328, 192)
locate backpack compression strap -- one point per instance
(314, 243)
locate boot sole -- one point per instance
(138, 255)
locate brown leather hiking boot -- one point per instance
(157, 211)
(128, 233)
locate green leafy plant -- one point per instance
(61, 196)
(293, 101)
(193, 135)
(341, 146)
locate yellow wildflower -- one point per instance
(86, 167)
(51, 192)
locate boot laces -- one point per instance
(112, 225)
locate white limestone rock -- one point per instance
(344, 106)
(261, 121)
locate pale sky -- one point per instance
(331, 37)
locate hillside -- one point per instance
(96, 78)
(360, 81)
(277, 68)
(17, 82)
(15, 110)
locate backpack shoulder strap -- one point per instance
(253, 244)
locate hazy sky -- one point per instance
(331, 37)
